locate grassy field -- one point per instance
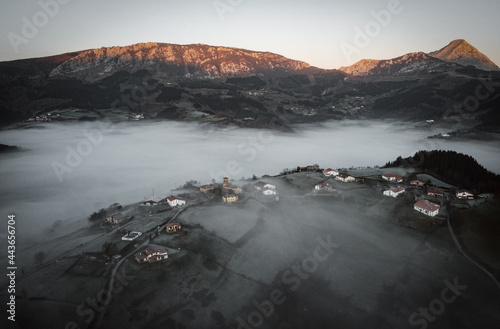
(480, 228)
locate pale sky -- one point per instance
(313, 31)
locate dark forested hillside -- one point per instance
(454, 168)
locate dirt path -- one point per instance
(453, 225)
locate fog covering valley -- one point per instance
(367, 272)
(132, 159)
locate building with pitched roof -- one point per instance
(427, 208)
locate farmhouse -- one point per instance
(174, 201)
(330, 172)
(345, 178)
(269, 191)
(116, 218)
(392, 178)
(308, 168)
(426, 207)
(155, 200)
(206, 188)
(151, 255)
(394, 192)
(465, 195)
(230, 198)
(173, 227)
(323, 187)
(435, 191)
(259, 185)
(226, 186)
(417, 183)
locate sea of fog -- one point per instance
(67, 171)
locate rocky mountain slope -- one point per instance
(241, 87)
(196, 61)
(409, 64)
(457, 52)
(463, 53)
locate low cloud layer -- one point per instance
(130, 160)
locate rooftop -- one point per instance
(173, 198)
(427, 205)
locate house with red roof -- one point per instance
(435, 191)
(392, 178)
(417, 183)
(151, 255)
(155, 200)
(174, 201)
(395, 192)
(173, 227)
(323, 187)
(345, 178)
(427, 208)
(330, 172)
(465, 195)
(206, 188)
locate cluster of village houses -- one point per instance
(230, 194)
(155, 254)
(424, 206)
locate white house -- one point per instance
(330, 172)
(174, 201)
(392, 178)
(426, 207)
(269, 187)
(345, 178)
(394, 192)
(323, 187)
(260, 186)
(269, 191)
(153, 201)
(151, 255)
(265, 188)
(464, 194)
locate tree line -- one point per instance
(457, 169)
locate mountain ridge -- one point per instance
(456, 52)
(230, 85)
(192, 60)
(206, 61)
(411, 63)
(461, 52)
